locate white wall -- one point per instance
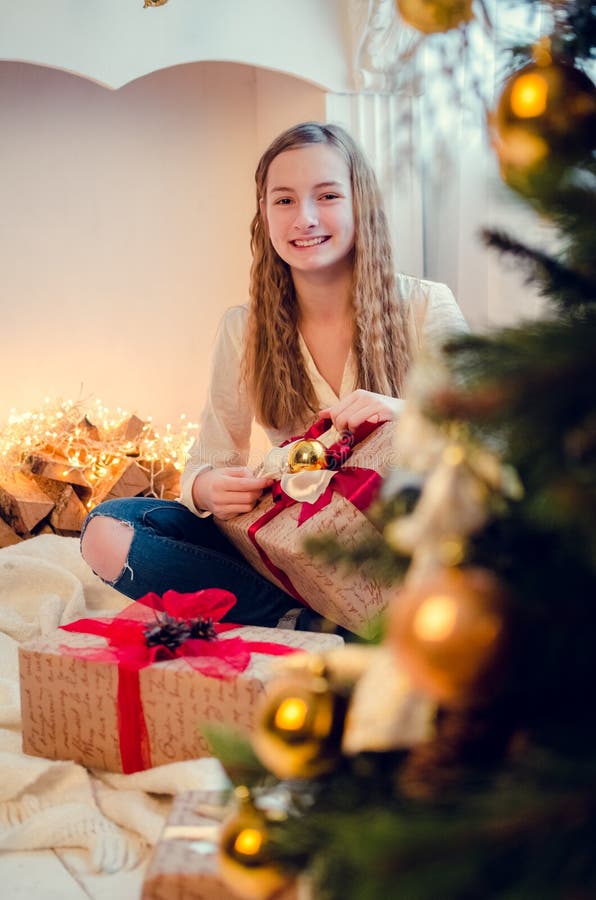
(125, 214)
(115, 41)
(462, 197)
(124, 228)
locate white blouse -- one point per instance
(226, 423)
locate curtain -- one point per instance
(462, 189)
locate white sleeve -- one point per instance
(432, 312)
(443, 317)
(225, 428)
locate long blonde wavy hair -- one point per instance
(273, 366)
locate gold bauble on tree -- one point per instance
(299, 726)
(431, 16)
(245, 860)
(545, 117)
(307, 454)
(448, 630)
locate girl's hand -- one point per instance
(362, 406)
(228, 492)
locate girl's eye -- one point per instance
(330, 197)
(283, 201)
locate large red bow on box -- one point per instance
(357, 484)
(128, 648)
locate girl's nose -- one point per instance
(306, 215)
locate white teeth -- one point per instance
(312, 242)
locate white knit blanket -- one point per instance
(46, 804)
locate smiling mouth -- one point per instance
(309, 242)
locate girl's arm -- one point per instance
(433, 316)
(215, 478)
(432, 312)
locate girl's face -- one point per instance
(308, 207)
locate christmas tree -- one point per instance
(457, 759)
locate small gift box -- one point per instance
(125, 694)
(183, 865)
(326, 501)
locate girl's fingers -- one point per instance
(231, 512)
(354, 416)
(238, 502)
(240, 482)
(361, 406)
(226, 509)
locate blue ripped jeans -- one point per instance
(172, 549)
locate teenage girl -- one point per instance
(330, 330)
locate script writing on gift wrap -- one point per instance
(70, 704)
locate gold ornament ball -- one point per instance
(245, 860)
(299, 727)
(448, 631)
(307, 454)
(546, 114)
(431, 16)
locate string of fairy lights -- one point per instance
(87, 443)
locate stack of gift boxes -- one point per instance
(84, 701)
(71, 705)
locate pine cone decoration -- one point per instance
(171, 633)
(202, 629)
(167, 632)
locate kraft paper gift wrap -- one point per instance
(183, 865)
(70, 703)
(271, 536)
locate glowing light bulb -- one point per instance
(291, 714)
(529, 95)
(436, 618)
(248, 842)
(454, 455)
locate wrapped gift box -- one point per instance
(346, 598)
(70, 703)
(183, 865)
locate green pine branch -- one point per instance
(566, 287)
(526, 832)
(372, 558)
(577, 35)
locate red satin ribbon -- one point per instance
(281, 502)
(127, 648)
(315, 431)
(357, 485)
